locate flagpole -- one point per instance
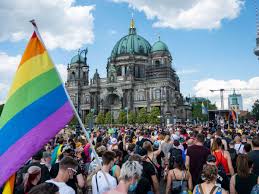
(73, 107)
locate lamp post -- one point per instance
(84, 68)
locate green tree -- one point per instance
(100, 119)
(255, 110)
(132, 117)
(122, 119)
(142, 116)
(89, 118)
(1, 108)
(153, 117)
(109, 118)
(197, 110)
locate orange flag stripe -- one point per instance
(31, 51)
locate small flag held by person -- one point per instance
(204, 109)
(37, 107)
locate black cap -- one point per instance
(211, 158)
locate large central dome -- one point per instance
(131, 44)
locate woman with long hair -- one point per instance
(222, 156)
(209, 174)
(243, 181)
(178, 179)
(31, 179)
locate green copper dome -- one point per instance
(159, 46)
(131, 44)
(75, 59)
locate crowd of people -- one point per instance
(179, 159)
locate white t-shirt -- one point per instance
(239, 148)
(102, 183)
(63, 187)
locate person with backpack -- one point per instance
(209, 173)
(233, 154)
(223, 160)
(222, 179)
(179, 180)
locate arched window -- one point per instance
(73, 75)
(157, 63)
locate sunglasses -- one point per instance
(73, 170)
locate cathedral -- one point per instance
(138, 75)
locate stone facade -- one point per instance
(138, 75)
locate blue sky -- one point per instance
(205, 55)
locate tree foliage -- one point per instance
(89, 118)
(142, 116)
(100, 119)
(255, 110)
(132, 117)
(153, 116)
(109, 118)
(197, 110)
(122, 119)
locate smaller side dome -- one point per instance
(159, 46)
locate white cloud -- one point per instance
(61, 23)
(112, 32)
(8, 66)
(203, 87)
(187, 14)
(62, 71)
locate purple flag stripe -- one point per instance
(26, 146)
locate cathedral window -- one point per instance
(73, 75)
(157, 63)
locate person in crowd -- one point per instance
(99, 180)
(243, 181)
(115, 170)
(218, 134)
(94, 164)
(223, 158)
(196, 157)
(67, 170)
(77, 179)
(130, 174)
(147, 178)
(152, 156)
(46, 159)
(31, 179)
(233, 154)
(178, 179)
(222, 178)
(36, 161)
(209, 174)
(254, 155)
(166, 146)
(239, 147)
(45, 188)
(247, 148)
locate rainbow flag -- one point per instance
(9, 185)
(37, 107)
(55, 154)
